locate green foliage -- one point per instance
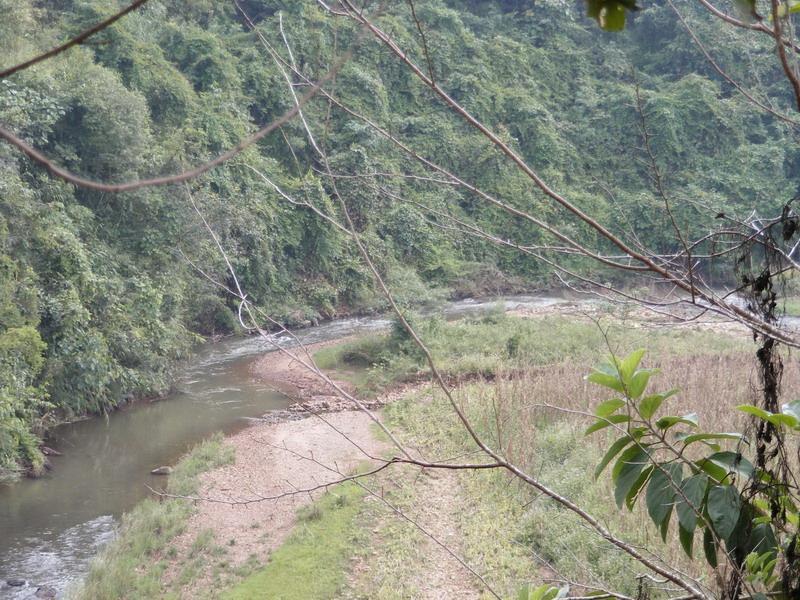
(681, 470)
(104, 280)
(542, 592)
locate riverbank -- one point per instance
(266, 518)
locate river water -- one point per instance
(50, 528)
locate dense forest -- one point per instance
(102, 294)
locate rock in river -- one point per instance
(161, 471)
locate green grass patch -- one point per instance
(497, 342)
(312, 563)
(133, 564)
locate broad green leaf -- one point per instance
(667, 422)
(627, 470)
(615, 449)
(732, 462)
(754, 410)
(713, 470)
(639, 381)
(650, 404)
(607, 422)
(699, 437)
(687, 539)
(660, 496)
(609, 407)
(781, 419)
(664, 529)
(724, 504)
(633, 493)
(606, 380)
(710, 548)
(690, 503)
(629, 364)
(762, 540)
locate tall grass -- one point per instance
(514, 535)
(496, 343)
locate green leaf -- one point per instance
(724, 505)
(628, 365)
(690, 503)
(627, 470)
(633, 493)
(762, 539)
(607, 422)
(667, 422)
(780, 419)
(687, 539)
(609, 407)
(615, 449)
(717, 473)
(650, 404)
(699, 437)
(639, 381)
(731, 462)
(710, 548)
(755, 411)
(543, 592)
(664, 529)
(606, 380)
(661, 490)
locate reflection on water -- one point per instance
(51, 527)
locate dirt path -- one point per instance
(437, 498)
(272, 460)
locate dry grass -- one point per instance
(504, 521)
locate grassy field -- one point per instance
(498, 343)
(507, 532)
(522, 384)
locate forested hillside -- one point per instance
(101, 294)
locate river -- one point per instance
(51, 528)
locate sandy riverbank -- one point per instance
(280, 465)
